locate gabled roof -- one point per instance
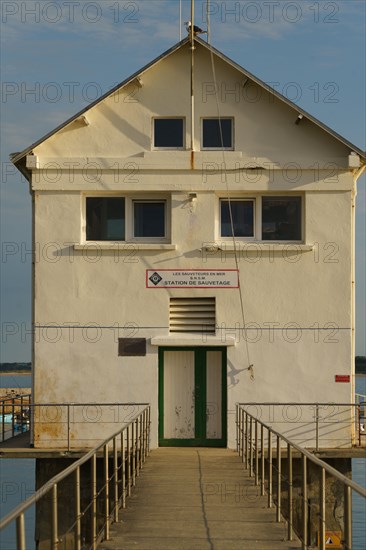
(17, 157)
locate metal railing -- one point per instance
(130, 446)
(254, 442)
(15, 415)
(75, 426)
(313, 425)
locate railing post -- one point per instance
(305, 504)
(143, 420)
(317, 426)
(68, 427)
(138, 443)
(322, 509)
(270, 486)
(256, 452)
(246, 440)
(21, 414)
(145, 433)
(128, 470)
(21, 545)
(290, 504)
(77, 510)
(243, 455)
(148, 428)
(123, 465)
(262, 461)
(251, 447)
(93, 523)
(54, 521)
(106, 493)
(359, 423)
(115, 475)
(3, 421)
(278, 479)
(133, 461)
(12, 418)
(237, 428)
(347, 517)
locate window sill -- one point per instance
(255, 246)
(192, 340)
(123, 246)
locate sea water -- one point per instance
(18, 483)
(15, 381)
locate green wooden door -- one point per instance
(192, 397)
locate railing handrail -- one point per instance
(298, 404)
(77, 404)
(14, 396)
(21, 508)
(350, 483)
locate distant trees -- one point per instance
(15, 367)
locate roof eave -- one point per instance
(16, 157)
(298, 109)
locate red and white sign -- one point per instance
(342, 378)
(192, 278)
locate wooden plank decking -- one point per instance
(197, 499)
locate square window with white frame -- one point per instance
(237, 217)
(217, 133)
(168, 133)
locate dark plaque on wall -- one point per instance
(132, 347)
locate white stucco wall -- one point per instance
(308, 291)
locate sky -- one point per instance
(59, 56)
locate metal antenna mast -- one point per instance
(192, 76)
(180, 20)
(208, 21)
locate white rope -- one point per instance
(208, 20)
(250, 365)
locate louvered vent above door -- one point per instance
(192, 315)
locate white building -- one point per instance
(133, 236)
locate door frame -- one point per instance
(200, 410)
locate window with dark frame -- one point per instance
(281, 218)
(105, 219)
(168, 133)
(242, 214)
(217, 133)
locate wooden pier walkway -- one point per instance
(197, 499)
